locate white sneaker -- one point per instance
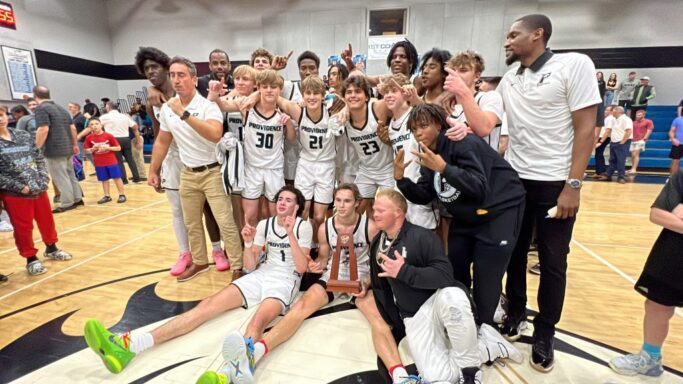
(634, 364)
(6, 226)
(493, 346)
(235, 353)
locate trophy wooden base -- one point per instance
(344, 286)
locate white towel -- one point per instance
(232, 170)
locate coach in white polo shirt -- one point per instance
(196, 124)
(550, 100)
(620, 135)
(119, 125)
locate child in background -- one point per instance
(102, 146)
(5, 225)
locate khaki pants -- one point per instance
(195, 189)
(139, 158)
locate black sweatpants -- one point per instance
(553, 237)
(489, 247)
(127, 153)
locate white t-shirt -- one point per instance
(195, 150)
(539, 105)
(609, 123)
(278, 247)
(620, 126)
(487, 102)
(116, 123)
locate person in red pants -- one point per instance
(23, 191)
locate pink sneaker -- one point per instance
(222, 263)
(184, 261)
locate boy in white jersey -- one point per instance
(375, 166)
(396, 89)
(287, 239)
(265, 129)
(473, 111)
(244, 353)
(315, 172)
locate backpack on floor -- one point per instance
(78, 168)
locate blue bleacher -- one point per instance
(656, 156)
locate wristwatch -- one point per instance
(185, 115)
(574, 183)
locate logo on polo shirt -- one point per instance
(543, 77)
(447, 193)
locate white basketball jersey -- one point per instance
(493, 138)
(361, 245)
(173, 147)
(375, 157)
(316, 143)
(278, 247)
(263, 140)
(235, 124)
(401, 138)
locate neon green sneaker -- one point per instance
(211, 377)
(111, 348)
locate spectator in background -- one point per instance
(602, 85)
(18, 111)
(680, 108)
(28, 123)
(626, 91)
(102, 146)
(23, 190)
(137, 141)
(90, 109)
(660, 282)
(603, 139)
(600, 116)
(56, 136)
(612, 87)
(676, 138)
(119, 125)
(79, 122)
(642, 94)
(642, 129)
(620, 136)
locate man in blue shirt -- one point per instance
(676, 138)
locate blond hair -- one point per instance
(394, 196)
(399, 78)
(244, 71)
(313, 84)
(269, 77)
(467, 59)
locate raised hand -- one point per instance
(400, 164)
(290, 220)
(410, 94)
(455, 84)
(390, 266)
(458, 130)
(248, 232)
(347, 56)
(280, 62)
(383, 132)
(429, 159)
(284, 118)
(175, 105)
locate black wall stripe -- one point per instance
(627, 58)
(76, 65)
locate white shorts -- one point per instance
(423, 215)
(368, 185)
(637, 146)
(170, 171)
(262, 182)
(269, 282)
(315, 180)
(442, 336)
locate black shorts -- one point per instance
(676, 152)
(658, 292)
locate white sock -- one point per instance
(399, 374)
(259, 351)
(141, 342)
(216, 246)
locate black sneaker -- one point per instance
(104, 200)
(513, 326)
(542, 354)
(79, 202)
(3, 278)
(64, 209)
(471, 375)
(122, 199)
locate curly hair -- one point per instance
(441, 56)
(411, 52)
(150, 53)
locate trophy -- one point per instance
(346, 286)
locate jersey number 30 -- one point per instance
(264, 140)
